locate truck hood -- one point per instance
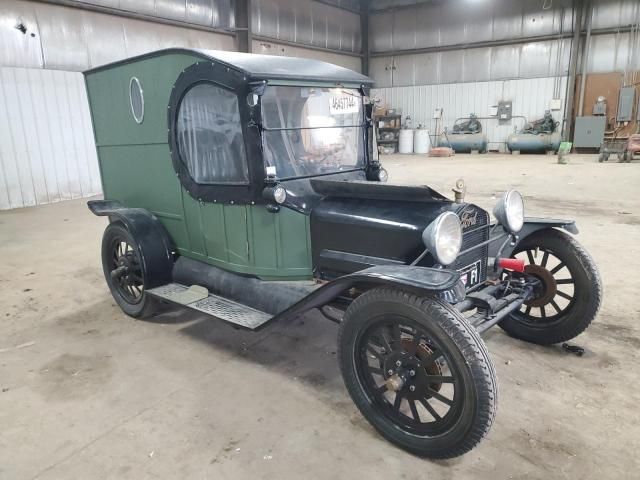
(350, 188)
(357, 224)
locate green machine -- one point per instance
(247, 187)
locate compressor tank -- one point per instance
(464, 142)
(534, 143)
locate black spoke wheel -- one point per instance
(418, 372)
(124, 271)
(569, 292)
(409, 375)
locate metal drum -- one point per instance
(421, 141)
(534, 143)
(464, 142)
(405, 141)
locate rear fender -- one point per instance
(423, 281)
(152, 239)
(531, 225)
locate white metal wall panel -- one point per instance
(530, 60)
(611, 53)
(272, 48)
(456, 22)
(404, 29)
(211, 13)
(74, 39)
(380, 69)
(530, 97)
(353, 5)
(17, 48)
(477, 65)
(200, 11)
(611, 13)
(380, 33)
(47, 152)
(427, 68)
(505, 61)
(307, 22)
(105, 38)
(63, 44)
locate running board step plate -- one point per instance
(198, 298)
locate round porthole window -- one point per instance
(136, 99)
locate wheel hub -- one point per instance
(125, 260)
(404, 371)
(548, 288)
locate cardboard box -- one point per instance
(380, 110)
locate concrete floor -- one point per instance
(87, 392)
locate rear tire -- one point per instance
(447, 399)
(564, 312)
(120, 255)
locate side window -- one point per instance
(209, 135)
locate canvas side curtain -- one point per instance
(209, 136)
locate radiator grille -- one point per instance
(475, 229)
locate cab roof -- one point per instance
(262, 67)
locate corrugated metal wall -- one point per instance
(530, 98)
(307, 22)
(208, 13)
(464, 21)
(72, 39)
(272, 48)
(610, 53)
(353, 5)
(47, 152)
(457, 22)
(529, 60)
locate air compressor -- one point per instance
(539, 136)
(465, 137)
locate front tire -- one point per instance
(418, 372)
(124, 272)
(571, 291)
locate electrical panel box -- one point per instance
(589, 132)
(437, 113)
(555, 104)
(625, 104)
(600, 108)
(493, 110)
(504, 111)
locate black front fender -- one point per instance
(531, 225)
(445, 284)
(152, 240)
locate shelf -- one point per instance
(388, 116)
(387, 141)
(389, 128)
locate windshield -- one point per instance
(312, 130)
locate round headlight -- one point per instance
(383, 175)
(443, 238)
(275, 193)
(509, 211)
(279, 194)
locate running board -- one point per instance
(199, 298)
